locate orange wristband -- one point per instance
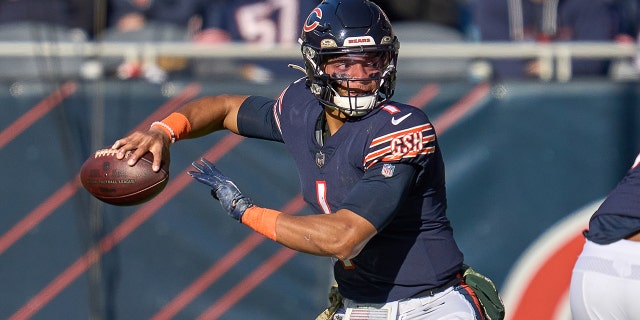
(179, 124)
(262, 220)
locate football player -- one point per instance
(606, 277)
(371, 168)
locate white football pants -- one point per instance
(451, 304)
(606, 282)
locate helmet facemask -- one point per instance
(341, 90)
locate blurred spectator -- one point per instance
(152, 20)
(72, 14)
(257, 21)
(546, 21)
(40, 21)
(424, 21)
(132, 15)
(628, 12)
(438, 21)
(264, 22)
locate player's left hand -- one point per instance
(222, 188)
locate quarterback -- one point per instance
(371, 168)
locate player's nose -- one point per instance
(360, 70)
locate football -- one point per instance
(115, 182)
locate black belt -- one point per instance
(432, 291)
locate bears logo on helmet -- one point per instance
(308, 25)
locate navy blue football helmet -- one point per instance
(347, 27)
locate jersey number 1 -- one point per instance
(321, 192)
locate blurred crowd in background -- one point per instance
(279, 21)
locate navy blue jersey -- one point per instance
(619, 215)
(386, 167)
(259, 21)
(263, 22)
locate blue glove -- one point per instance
(222, 188)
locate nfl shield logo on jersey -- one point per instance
(387, 170)
(320, 159)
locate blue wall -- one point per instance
(523, 157)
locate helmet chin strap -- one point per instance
(354, 106)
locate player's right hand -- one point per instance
(154, 140)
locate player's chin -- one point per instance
(355, 92)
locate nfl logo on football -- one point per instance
(387, 170)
